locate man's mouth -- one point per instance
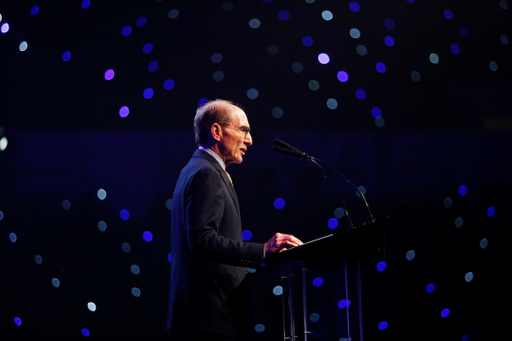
(243, 151)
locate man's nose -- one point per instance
(248, 139)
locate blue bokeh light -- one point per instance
(448, 202)
(332, 223)
(147, 236)
(141, 21)
(342, 76)
(168, 84)
(463, 31)
(360, 94)
(148, 48)
(17, 321)
(463, 190)
(202, 102)
(381, 68)
(102, 226)
(455, 49)
(389, 41)
(484, 243)
(307, 41)
(278, 290)
(246, 235)
(376, 112)
(13, 237)
(55, 282)
(279, 203)
(85, 332)
(124, 214)
(318, 281)
(126, 31)
(34, 10)
(491, 211)
(430, 288)
(148, 93)
(66, 56)
(410, 255)
(469, 277)
(355, 33)
(332, 103)
(252, 93)
(135, 269)
(283, 15)
(136, 292)
(459, 221)
(415, 76)
(381, 266)
(339, 212)
(343, 303)
(169, 258)
(124, 111)
(389, 23)
(38, 259)
(86, 3)
(383, 325)
(361, 50)
(445, 312)
(153, 66)
(323, 58)
(126, 247)
(314, 317)
(465, 337)
(354, 6)
(448, 14)
(362, 189)
(259, 328)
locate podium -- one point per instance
(363, 243)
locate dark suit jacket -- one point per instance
(209, 258)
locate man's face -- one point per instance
(233, 144)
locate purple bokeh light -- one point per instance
(389, 23)
(86, 3)
(124, 111)
(448, 14)
(455, 48)
(323, 58)
(307, 41)
(127, 30)
(279, 203)
(153, 66)
(148, 48)
(342, 76)
(383, 325)
(124, 214)
(34, 10)
(168, 84)
(246, 235)
(381, 266)
(445, 312)
(343, 303)
(141, 21)
(360, 94)
(147, 236)
(491, 211)
(5, 28)
(283, 15)
(376, 112)
(318, 281)
(354, 6)
(66, 56)
(332, 223)
(148, 93)
(389, 41)
(109, 74)
(463, 190)
(381, 68)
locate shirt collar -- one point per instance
(215, 156)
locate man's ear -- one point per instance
(216, 131)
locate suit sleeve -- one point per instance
(205, 211)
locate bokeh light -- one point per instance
(504, 4)
(227, 6)
(327, 15)
(173, 13)
(354, 6)
(259, 328)
(254, 23)
(147, 48)
(126, 31)
(380, 122)
(361, 189)
(448, 14)
(109, 74)
(216, 58)
(126, 247)
(1, 215)
(4, 28)
(55, 282)
(381, 68)
(38, 259)
(148, 93)
(252, 93)
(141, 21)
(297, 67)
(469, 277)
(389, 41)
(102, 194)
(313, 85)
(360, 94)
(86, 3)
(102, 226)
(202, 102)
(455, 49)
(277, 112)
(376, 112)
(463, 190)
(383, 325)
(389, 23)
(465, 337)
(169, 257)
(168, 204)
(17, 321)
(273, 49)
(246, 235)
(283, 15)
(153, 66)
(504, 39)
(342, 76)
(147, 236)
(491, 211)
(124, 111)
(136, 292)
(410, 255)
(430, 288)
(332, 223)
(66, 56)
(343, 303)
(332, 103)
(448, 202)
(354, 33)
(251, 270)
(13, 237)
(339, 212)
(415, 76)
(66, 205)
(168, 84)
(463, 31)
(361, 50)
(34, 10)
(278, 290)
(307, 41)
(492, 65)
(323, 58)
(434, 58)
(459, 221)
(381, 266)
(314, 317)
(124, 214)
(135, 269)
(318, 281)
(483, 243)
(91, 306)
(3, 143)
(85, 332)
(218, 76)
(279, 203)
(23, 46)
(445, 312)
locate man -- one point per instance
(208, 298)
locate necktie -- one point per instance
(230, 179)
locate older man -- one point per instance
(208, 297)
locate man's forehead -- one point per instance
(239, 115)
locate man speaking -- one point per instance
(209, 298)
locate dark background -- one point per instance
(66, 140)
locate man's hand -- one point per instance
(279, 242)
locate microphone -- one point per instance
(285, 148)
(283, 144)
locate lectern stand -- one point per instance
(332, 251)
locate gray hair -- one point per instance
(217, 111)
